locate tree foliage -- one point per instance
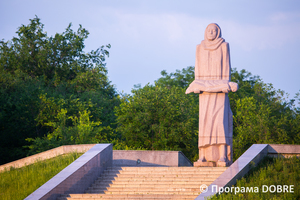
(58, 59)
(160, 116)
(157, 118)
(52, 92)
(261, 114)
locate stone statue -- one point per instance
(212, 82)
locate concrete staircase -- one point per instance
(149, 183)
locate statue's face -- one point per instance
(212, 32)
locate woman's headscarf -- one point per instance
(214, 44)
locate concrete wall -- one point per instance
(121, 157)
(78, 176)
(283, 150)
(149, 158)
(80, 148)
(183, 161)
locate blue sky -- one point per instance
(150, 36)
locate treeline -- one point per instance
(52, 93)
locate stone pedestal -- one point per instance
(204, 164)
(212, 153)
(212, 164)
(224, 164)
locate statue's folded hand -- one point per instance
(188, 90)
(233, 86)
(192, 88)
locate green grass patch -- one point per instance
(18, 183)
(271, 171)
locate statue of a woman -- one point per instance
(212, 82)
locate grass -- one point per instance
(20, 182)
(271, 171)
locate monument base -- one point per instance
(224, 164)
(212, 152)
(204, 164)
(212, 164)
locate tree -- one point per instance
(36, 69)
(261, 114)
(69, 122)
(157, 118)
(160, 117)
(18, 109)
(58, 59)
(180, 79)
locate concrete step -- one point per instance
(180, 185)
(186, 185)
(153, 189)
(160, 178)
(131, 198)
(169, 172)
(153, 192)
(165, 187)
(126, 196)
(199, 174)
(164, 178)
(110, 174)
(158, 182)
(133, 187)
(167, 168)
(196, 177)
(145, 188)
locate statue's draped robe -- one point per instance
(215, 116)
